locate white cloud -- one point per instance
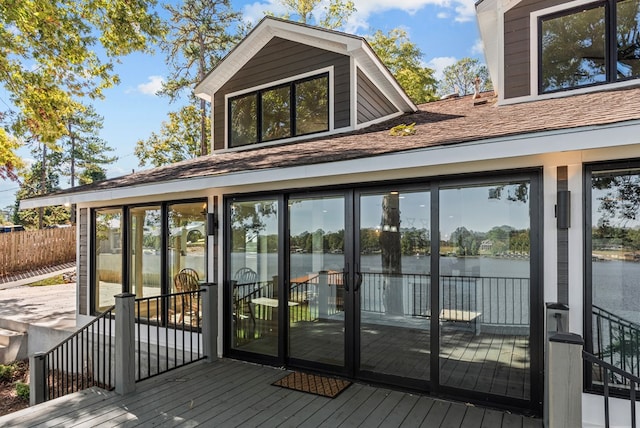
(461, 10)
(152, 86)
(477, 48)
(438, 64)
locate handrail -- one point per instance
(170, 337)
(82, 360)
(616, 339)
(606, 368)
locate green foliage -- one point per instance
(404, 60)
(49, 55)
(332, 15)
(22, 390)
(179, 139)
(6, 372)
(403, 130)
(460, 77)
(10, 163)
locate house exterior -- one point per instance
(421, 261)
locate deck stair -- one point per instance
(13, 345)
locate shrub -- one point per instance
(22, 390)
(6, 372)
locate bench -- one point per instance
(457, 315)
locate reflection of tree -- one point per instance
(312, 110)
(248, 220)
(628, 38)
(467, 242)
(573, 49)
(244, 126)
(391, 253)
(276, 114)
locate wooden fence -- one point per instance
(33, 249)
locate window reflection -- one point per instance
(187, 240)
(253, 280)
(108, 257)
(484, 288)
(312, 106)
(243, 117)
(628, 38)
(276, 114)
(615, 269)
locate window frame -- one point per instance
(587, 204)
(291, 83)
(611, 31)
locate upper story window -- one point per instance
(597, 43)
(293, 109)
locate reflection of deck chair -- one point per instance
(245, 287)
(186, 280)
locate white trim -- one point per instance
(353, 108)
(533, 47)
(608, 141)
(288, 80)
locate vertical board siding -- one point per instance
(372, 104)
(83, 261)
(517, 50)
(33, 249)
(282, 59)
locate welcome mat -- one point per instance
(313, 384)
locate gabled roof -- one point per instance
(440, 124)
(330, 40)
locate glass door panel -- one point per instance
(393, 283)
(253, 284)
(316, 295)
(484, 289)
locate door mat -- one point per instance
(313, 384)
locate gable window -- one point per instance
(595, 44)
(294, 109)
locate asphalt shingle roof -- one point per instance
(440, 123)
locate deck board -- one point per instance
(236, 394)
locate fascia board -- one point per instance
(542, 143)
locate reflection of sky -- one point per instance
(468, 207)
(598, 214)
(472, 208)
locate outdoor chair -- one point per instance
(245, 287)
(187, 280)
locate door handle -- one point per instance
(358, 283)
(345, 277)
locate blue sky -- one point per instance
(444, 30)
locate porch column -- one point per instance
(37, 373)
(565, 381)
(125, 372)
(210, 321)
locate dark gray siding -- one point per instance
(281, 59)
(372, 104)
(517, 54)
(83, 261)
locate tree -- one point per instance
(197, 40)
(403, 59)
(460, 77)
(49, 58)
(9, 161)
(32, 185)
(332, 15)
(83, 148)
(179, 139)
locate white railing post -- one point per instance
(564, 382)
(125, 371)
(37, 373)
(210, 321)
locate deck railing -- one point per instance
(167, 332)
(501, 301)
(83, 360)
(610, 374)
(616, 340)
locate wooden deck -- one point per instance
(229, 393)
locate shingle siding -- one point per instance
(372, 104)
(517, 47)
(282, 59)
(83, 261)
